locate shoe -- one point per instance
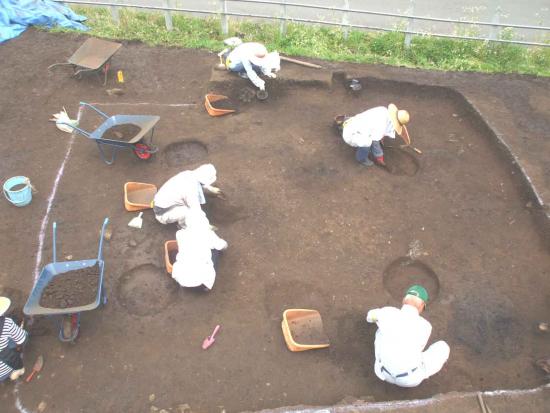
(16, 374)
(243, 75)
(379, 160)
(367, 162)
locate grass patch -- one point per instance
(324, 43)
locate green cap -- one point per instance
(418, 291)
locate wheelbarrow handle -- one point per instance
(100, 252)
(84, 104)
(54, 230)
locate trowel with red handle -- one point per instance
(38, 364)
(208, 341)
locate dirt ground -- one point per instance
(307, 227)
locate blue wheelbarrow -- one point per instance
(141, 143)
(69, 318)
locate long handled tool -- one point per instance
(208, 341)
(300, 62)
(38, 364)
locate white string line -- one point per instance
(51, 198)
(18, 404)
(173, 105)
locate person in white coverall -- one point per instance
(400, 340)
(198, 250)
(366, 130)
(251, 59)
(183, 194)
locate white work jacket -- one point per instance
(401, 337)
(372, 125)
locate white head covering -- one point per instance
(5, 303)
(272, 62)
(205, 174)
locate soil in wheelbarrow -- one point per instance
(72, 289)
(124, 132)
(224, 104)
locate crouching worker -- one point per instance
(251, 59)
(11, 336)
(400, 340)
(198, 250)
(183, 194)
(366, 130)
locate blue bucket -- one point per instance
(19, 197)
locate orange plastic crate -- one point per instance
(212, 111)
(169, 246)
(138, 195)
(299, 324)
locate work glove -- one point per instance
(371, 316)
(271, 75)
(262, 87)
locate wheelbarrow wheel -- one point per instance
(143, 151)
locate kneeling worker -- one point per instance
(11, 336)
(251, 59)
(366, 130)
(183, 194)
(400, 340)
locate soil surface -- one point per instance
(72, 289)
(307, 227)
(123, 132)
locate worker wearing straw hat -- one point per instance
(366, 130)
(400, 340)
(11, 336)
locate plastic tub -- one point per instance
(303, 330)
(138, 196)
(170, 252)
(212, 111)
(18, 190)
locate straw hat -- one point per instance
(5, 303)
(399, 118)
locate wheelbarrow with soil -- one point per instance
(134, 132)
(66, 289)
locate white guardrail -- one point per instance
(346, 12)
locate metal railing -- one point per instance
(224, 13)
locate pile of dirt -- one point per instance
(124, 132)
(72, 289)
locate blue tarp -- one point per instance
(16, 15)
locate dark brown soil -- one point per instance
(183, 153)
(124, 132)
(223, 104)
(404, 272)
(172, 256)
(18, 187)
(308, 330)
(307, 227)
(142, 196)
(72, 289)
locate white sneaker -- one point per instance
(17, 373)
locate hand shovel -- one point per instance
(38, 364)
(136, 222)
(208, 341)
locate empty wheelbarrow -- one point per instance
(94, 56)
(69, 317)
(141, 141)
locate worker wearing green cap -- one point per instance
(401, 338)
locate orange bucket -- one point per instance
(212, 111)
(303, 330)
(138, 195)
(170, 249)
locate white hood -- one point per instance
(205, 174)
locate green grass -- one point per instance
(325, 43)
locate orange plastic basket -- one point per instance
(138, 195)
(212, 111)
(169, 248)
(303, 330)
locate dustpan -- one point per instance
(303, 330)
(213, 111)
(138, 195)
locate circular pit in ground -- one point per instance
(145, 290)
(401, 162)
(182, 152)
(404, 272)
